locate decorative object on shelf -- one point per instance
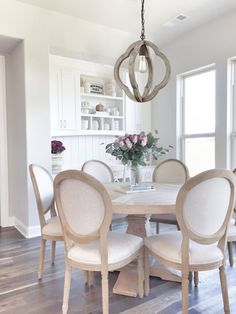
(100, 107)
(84, 124)
(115, 111)
(110, 88)
(57, 158)
(141, 47)
(95, 124)
(93, 87)
(132, 150)
(106, 126)
(116, 125)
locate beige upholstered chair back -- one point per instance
(98, 169)
(170, 171)
(204, 205)
(83, 204)
(43, 188)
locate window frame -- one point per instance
(180, 123)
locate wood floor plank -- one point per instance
(22, 293)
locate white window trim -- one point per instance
(231, 114)
(181, 136)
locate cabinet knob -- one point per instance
(64, 123)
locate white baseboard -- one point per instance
(28, 232)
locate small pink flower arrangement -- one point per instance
(134, 148)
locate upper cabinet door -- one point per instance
(69, 98)
(64, 89)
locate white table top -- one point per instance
(160, 201)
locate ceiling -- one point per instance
(125, 14)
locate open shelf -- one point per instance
(99, 96)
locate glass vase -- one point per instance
(134, 175)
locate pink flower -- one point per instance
(144, 141)
(128, 143)
(135, 139)
(121, 143)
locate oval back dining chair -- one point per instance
(85, 211)
(203, 209)
(169, 171)
(98, 169)
(50, 228)
(103, 173)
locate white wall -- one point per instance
(16, 131)
(211, 43)
(43, 31)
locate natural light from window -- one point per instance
(199, 121)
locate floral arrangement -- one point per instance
(57, 147)
(134, 149)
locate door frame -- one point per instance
(5, 220)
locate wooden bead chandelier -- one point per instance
(141, 48)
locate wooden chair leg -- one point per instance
(230, 251)
(185, 283)
(89, 278)
(140, 273)
(224, 289)
(146, 272)
(190, 276)
(67, 282)
(157, 228)
(196, 278)
(41, 258)
(105, 295)
(53, 251)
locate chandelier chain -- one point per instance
(143, 22)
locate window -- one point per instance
(197, 116)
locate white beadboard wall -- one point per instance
(85, 147)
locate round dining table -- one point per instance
(139, 205)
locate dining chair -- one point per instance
(85, 211)
(169, 171)
(102, 172)
(204, 207)
(50, 228)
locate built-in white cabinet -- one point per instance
(84, 99)
(64, 99)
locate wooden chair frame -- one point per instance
(220, 236)
(100, 162)
(41, 212)
(100, 234)
(167, 218)
(116, 217)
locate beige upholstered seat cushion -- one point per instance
(53, 227)
(120, 247)
(232, 231)
(168, 246)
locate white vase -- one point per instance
(57, 162)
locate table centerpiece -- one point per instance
(135, 150)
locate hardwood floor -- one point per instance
(22, 293)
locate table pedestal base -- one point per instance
(127, 282)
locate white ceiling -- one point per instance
(125, 14)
